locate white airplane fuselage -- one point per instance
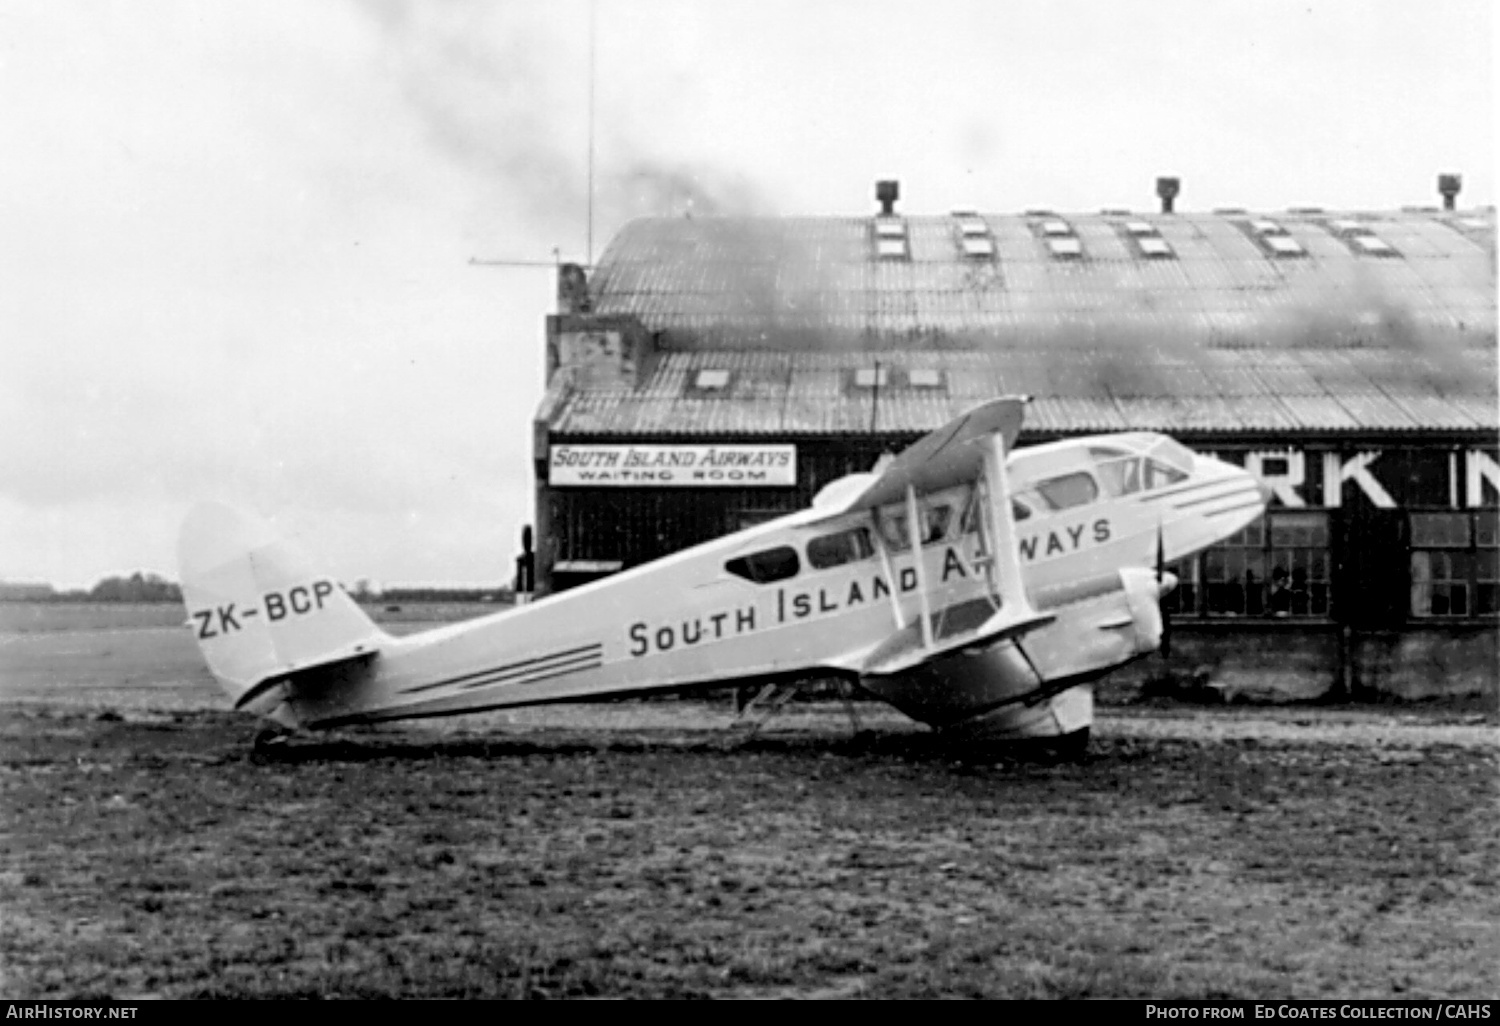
(697, 617)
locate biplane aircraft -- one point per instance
(975, 587)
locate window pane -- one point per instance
(1120, 476)
(1069, 490)
(1159, 475)
(1487, 529)
(837, 549)
(1440, 530)
(776, 564)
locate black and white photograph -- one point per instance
(840, 499)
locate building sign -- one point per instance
(1382, 479)
(672, 466)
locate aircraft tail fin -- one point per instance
(258, 609)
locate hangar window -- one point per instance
(766, 567)
(1455, 564)
(1068, 490)
(831, 550)
(1277, 566)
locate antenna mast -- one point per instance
(593, 7)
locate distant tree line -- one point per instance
(144, 586)
(138, 587)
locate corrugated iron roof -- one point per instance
(728, 283)
(1074, 390)
(1221, 336)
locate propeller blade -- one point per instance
(1166, 617)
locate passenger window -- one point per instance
(766, 567)
(893, 528)
(833, 550)
(1069, 490)
(970, 522)
(1121, 477)
(1159, 475)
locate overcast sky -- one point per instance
(234, 237)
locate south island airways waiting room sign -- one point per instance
(667, 466)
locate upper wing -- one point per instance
(938, 460)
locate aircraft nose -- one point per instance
(1265, 491)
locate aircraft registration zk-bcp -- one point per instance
(975, 587)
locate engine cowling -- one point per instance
(1143, 595)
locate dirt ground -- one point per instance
(646, 849)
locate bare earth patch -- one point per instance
(638, 850)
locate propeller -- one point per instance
(1161, 597)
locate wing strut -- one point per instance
(914, 536)
(889, 571)
(1002, 524)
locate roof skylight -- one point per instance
(1267, 228)
(890, 229)
(1140, 228)
(1370, 244)
(925, 377)
(1068, 247)
(978, 246)
(1284, 245)
(712, 380)
(869, 377)
(1154, 246)
(891, 249)
(1056, 228)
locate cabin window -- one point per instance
(766, 567)
(1069, 490)
(893, 528)
(969, 522)
(833, 550)
(1455, 564)
(1277, 566)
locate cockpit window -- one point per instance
(833, 550)
(1068, 490)
(1159, 475)
(1173, 454)
(1121, 476)
(766, 567)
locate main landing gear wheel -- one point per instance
(269, 739)
(1072, 747)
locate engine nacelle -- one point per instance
(1143, 595)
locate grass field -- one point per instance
(641, 850)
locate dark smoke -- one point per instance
(502, 91)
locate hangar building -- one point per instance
(711, 373)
